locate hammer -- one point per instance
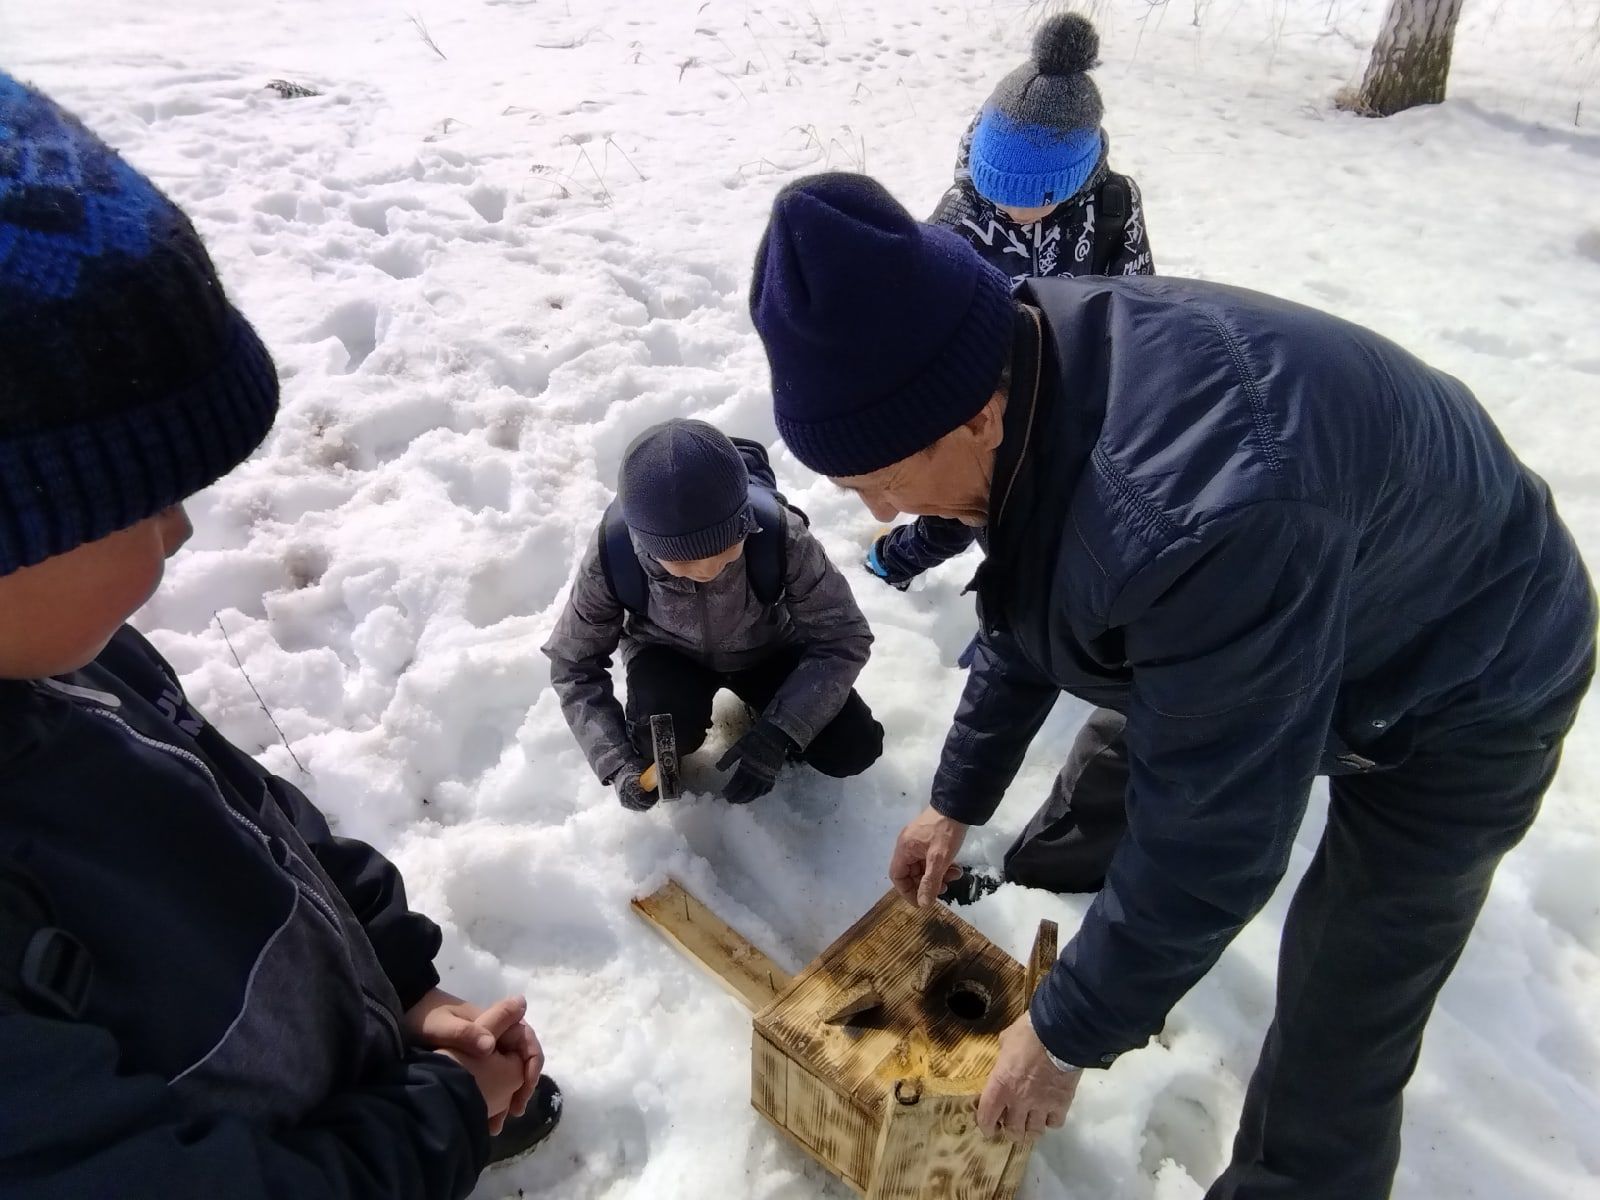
(662, 774)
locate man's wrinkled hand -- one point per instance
(1026, 1093)
(924, 857)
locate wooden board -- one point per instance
(741, 968)
(933, 1148)
(912, 1033)
(1042, 958)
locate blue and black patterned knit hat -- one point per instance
(1038, 138)
(127, 380)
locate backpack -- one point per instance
(1113, 206)
(43, 968)
(765, 551)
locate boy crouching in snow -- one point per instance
(203, 991)
(708, 580)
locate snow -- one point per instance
(482, 270)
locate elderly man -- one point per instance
(1277, 545)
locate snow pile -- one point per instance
(482, 268)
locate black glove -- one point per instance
(760, 754)
(629, 790)
(874, 563)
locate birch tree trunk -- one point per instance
(1411, 58)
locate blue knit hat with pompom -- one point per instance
(1038, 138)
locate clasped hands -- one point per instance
(495, 1044)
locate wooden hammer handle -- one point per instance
(647, 778)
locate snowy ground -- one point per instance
(483, 269)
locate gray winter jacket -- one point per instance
(720, 624)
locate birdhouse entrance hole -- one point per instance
(968, 1000)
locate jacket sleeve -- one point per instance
(1235, 638)
(75, 1125)
(1132, 255)
(958, 202)
(405, 942)
(580, 650)
(908, 550)
(1001, 709)
(834, 637)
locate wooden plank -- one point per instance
(1041, 959)
(769, 1080)
(741, 968)
(817, 1158)
(932, 1147)
(843, 1136)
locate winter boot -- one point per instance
(524, 1133)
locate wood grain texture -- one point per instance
(912, 1032)
(863, 997)
(740, 967)
(933, 1149)
(1042, 957)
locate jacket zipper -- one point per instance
(195, 761)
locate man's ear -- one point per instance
(988, 425)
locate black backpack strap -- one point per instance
(43, 968)
(1113, 205)
(767, 550)
(620, 563)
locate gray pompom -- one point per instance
(1065, 45)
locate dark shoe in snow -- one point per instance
(524, 1133)
(972, 885)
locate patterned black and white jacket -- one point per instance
(1099, 231)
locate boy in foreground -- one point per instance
(203, 991)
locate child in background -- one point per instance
(1035, 196)
(203, 991)
(706, 579)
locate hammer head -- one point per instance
(664, 746)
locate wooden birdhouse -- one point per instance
(873, 1057)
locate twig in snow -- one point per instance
(293, 757)
(611, 143)
(427, 38)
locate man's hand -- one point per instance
(445, 1022)
(1026, 1092)
(924, 857)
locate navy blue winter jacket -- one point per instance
(242, 1034)
(1279, 544)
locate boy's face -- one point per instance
(57, 616)
(1027, 216)
(704, 570)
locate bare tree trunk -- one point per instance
(1411, 58)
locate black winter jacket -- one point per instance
(1282, 546)
(242, 1034)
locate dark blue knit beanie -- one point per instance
(883, 334)
(127, 380)
(1038, 139)
(685, 491)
